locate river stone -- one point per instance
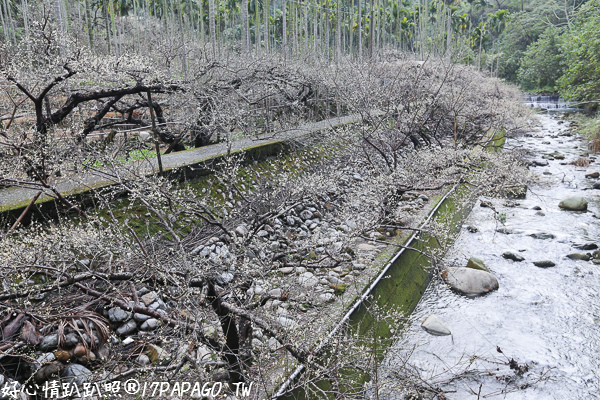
(512, 256)
(308, 279)
(544, 264)
(127, 328)
(476, 263)
(117, 314)
(366, 247)
(150, 325)
(573, 203)
(143, 360)
(471, 282)
(542, 236)
(434, 326)
(579, 256)
(540, 163)
(71, 340)
(49, 342)
(586, 246)
(241, 230)
(76, 373)
(139, 317)
(287, 323)
(157, 354)
(593, 175)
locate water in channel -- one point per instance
(545, 318)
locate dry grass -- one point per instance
(581, 162)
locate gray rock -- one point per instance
(308, 279)
(291, 221)
(573, 203)
(286, 270)
(326, 297)
(287, 323)
(472, 229)
(117, 314)
(593, 175)
(127, 328)
(512, 256)
(306, 215)
(476, 263)
(277, 292)
(366, 247)
(150, 324)
(358, 266)
(71, 340)
(596, 185)
(542, 236)
(76, 373)
(471, 282)
(149, 298)
(143, 360)
(540, 163)
(49, 342)
(241, 230)
(225, 278)
(579, 256)
(141, 317)
(586, 246)
(45, 358)
(434, 326)
(544, 264)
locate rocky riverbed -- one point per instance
(535, 334)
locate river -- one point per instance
(546, 319)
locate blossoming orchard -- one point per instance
(202, 195)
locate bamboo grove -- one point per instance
(317, 28)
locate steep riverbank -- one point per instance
(537, 335)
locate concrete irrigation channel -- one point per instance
(400, 284)
(182, 165)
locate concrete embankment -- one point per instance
(181, 165)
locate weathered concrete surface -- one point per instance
(16, 198)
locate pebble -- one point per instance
(579, 256)
(127, 328)
(150, 324)
(76, 373)
(143, 360)
(140, 317)
(512, 256)
(544, 264)
(117, 314)
(434, 326)
(49, 342)
(149, 298)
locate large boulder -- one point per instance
(434, 326)
(471, 282)
(573, 203)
